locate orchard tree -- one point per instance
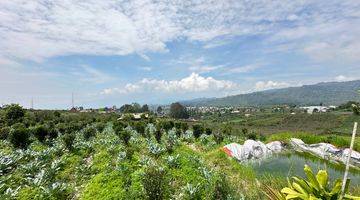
(14, 113)
(19, 136)
(198, 129)
(145, 108)
(178, 111)
(127, 108)
(159, 110)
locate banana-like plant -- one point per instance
(316, 187)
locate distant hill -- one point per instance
(328, 93)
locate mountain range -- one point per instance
(327, 93)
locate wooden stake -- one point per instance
(348, 160)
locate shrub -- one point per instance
(262, 137)
(158, 135)
(244, 131)
(218, 137)
(40, 132)
(119, 125)
(57, 114)
(252, 136)
(165, 124)
(155, 183)
(89, 132)
(221, 188)
(14, 113)
(356, 108)
(61, 128)
(68, 140)
(140, 127)
(184, 126)
(105, 186)
(198, 129)
(4, 132)
(19, 136)
(208, 131)
(124, 135)
(226, 129)
(100, 126)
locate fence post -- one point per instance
(348, 160)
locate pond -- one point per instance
(292, 164)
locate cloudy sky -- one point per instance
(112, 52)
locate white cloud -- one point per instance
(193, 83)
(39, 29)
(145, 68)
(323, 40)
(204, 69)
(342, 78)
(242, 69)
(92, 75)
(261, 85)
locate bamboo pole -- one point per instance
(348, 160)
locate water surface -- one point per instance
(292, 164)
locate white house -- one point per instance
(312, 109)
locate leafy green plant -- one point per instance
(4, 132)
(19, 136)
(316, 187)
(155, 183)
(40, 132)
(68, 140)
(89, 132)
(14, 113)
(252, 136)
(218, 137)
(124, 135)
(100, 126)
(198, 129)
(221, 188)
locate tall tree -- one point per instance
(178, 111)
(159, 110)
(127, 108)
(145, 108)
(14, 113)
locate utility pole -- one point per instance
(72, 100)
(348, 160)
(32, 103)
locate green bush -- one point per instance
(40, 132)
(89, 132)
(218, 137)
(139, 127)
(14, 113)
(155, 182)
(105, 186)
(19, 136)
(119, 125)
(198, 129)
(68, 140)
(221, 188)
(252, 136)
(4, 132)
(100, 126)
(184, 126)
(158, 134)
(124, 135)
(208, 131)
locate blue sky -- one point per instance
(114, 52)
